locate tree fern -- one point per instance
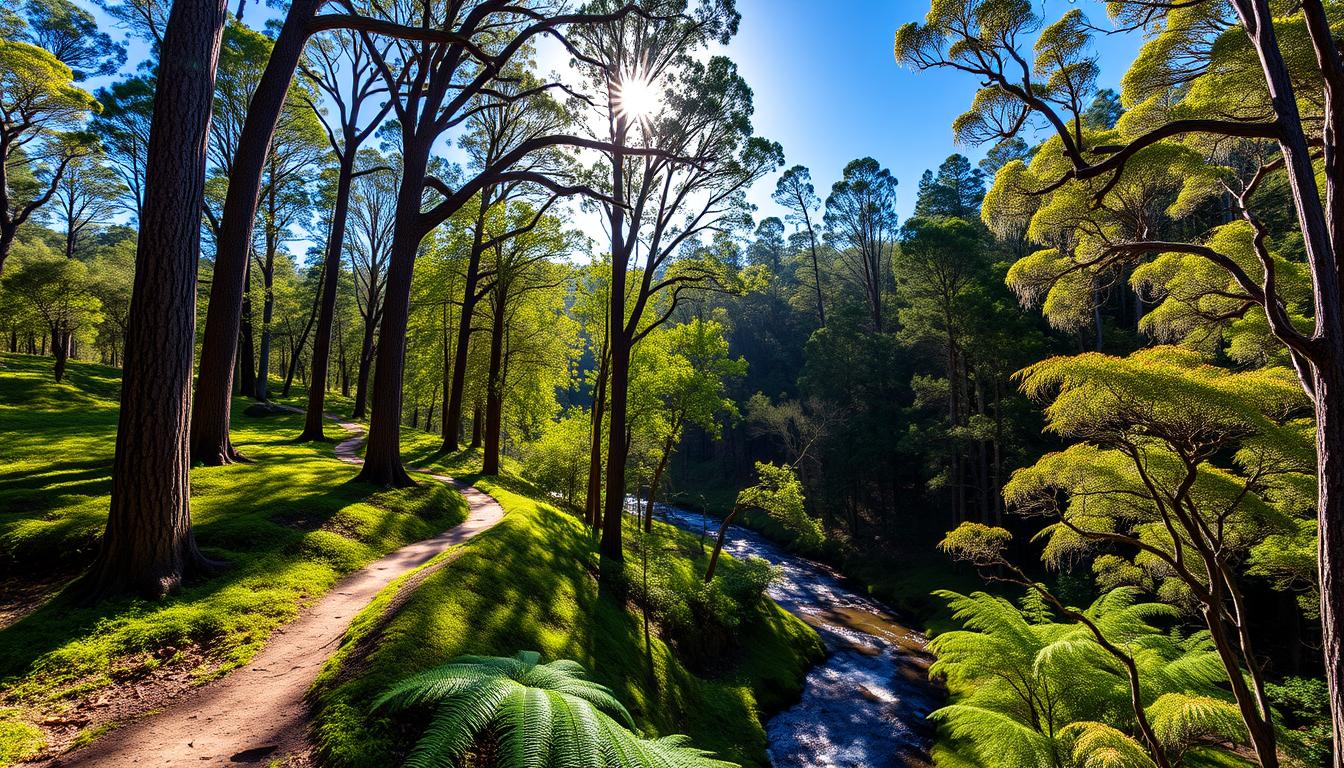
(1048, 694)
(534, 715)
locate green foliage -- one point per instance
(529, 715)
(779, 494)
(529, 582)
(56, 443)
(1030, 691)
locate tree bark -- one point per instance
(618, 385)
(718, 542)
(382, 457)
(494, 387)
(262, 388)
(452, 425)
(593, 501)
(148, 546)
(1330, 553)
(210, 409)
(366, 352)
(331, 274)
(60, 349)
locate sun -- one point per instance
(636, 97)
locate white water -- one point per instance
(866, 705)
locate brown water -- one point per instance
(867, 704)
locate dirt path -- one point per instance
(257, 714)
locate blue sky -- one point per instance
(828, 88)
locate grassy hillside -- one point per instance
(529, 584)
(288, 527)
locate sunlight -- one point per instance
(636, 97)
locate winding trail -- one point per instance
(257, 713)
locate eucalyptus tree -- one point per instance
(373, 200)
(861, 224)
(795, 192)
(437, 82)
(148, 546)
(519, 266)
(286, 204)
(339, 67)
(493, 132)
(72, 35)
(86, 196)
(1251, 92)
(653, 95)
(123, 128)
(41, 110)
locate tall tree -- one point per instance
(123, 128)
(86, 196)
(492, 134)
(39, 107)
(148, 546)
(794, 191)
(861, 223)
(373, 213)
(661, 204)
(343, 71)
(72, 35)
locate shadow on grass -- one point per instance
(288, 526)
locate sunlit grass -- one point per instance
(529, 584)
(288, 526)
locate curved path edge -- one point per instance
(258, 713)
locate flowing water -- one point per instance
(866, 705)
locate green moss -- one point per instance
(19, 740)
(528, 584)
(288, 527)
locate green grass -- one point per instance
(289, 526)
(529, 584)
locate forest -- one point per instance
(568, 383)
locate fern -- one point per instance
(1047, 694)
(537, 716)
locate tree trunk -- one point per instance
(60, 348)
(382, 457)
(718, 542)
(494, 386)
(452, 424)
(247, 354)
(148, 546)
(7, 235)
(210, 409)
(593, 501)
(653, 483)
(263, 392)
(366, 353)
(618, 385)
(1329, 383)
(331, 275)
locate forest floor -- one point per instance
(290, 526)
(530, 584)
(258, 713)
(293, 525)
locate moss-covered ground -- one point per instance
(288, 526)
(530, 584)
